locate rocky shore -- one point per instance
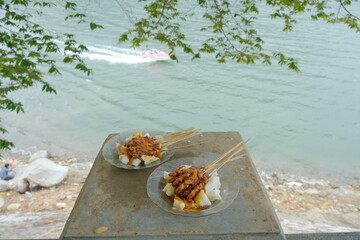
(302, 204)
(313, 205)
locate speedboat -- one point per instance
(155, 54)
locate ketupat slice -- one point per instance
(124, 159)
(166, 176)
(169, 190)
(149, 159)
(214, 195)
(202, 200)
(178, 204)
(136, 162)
(212, 184)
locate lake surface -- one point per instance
(307, 122)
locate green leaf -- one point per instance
(93, 26)
(53, 70)
(83, 68)
(47, 88)
(70, 5)
(4, 144)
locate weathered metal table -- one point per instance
(117, 198)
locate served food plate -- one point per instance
(228, 191)
(111, 154)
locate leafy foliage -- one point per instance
(230, 25)
(25, 46)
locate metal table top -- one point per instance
(117, 199)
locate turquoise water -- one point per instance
(307, 122)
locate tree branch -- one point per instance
(226, 36)
(343, 6)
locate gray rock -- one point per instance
(21, 185)
(12, 184)
(60, 205)
(2, 201)
(323, 194)
(28, 194)
(312, 191)
(18, 170)
(293, 183)
(344, 210)
(274, 175)
(269, 186)
(40, 154)
(299, 191)
(4, 186)
(14, 206)
(45, 173)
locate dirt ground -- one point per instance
(58, 198)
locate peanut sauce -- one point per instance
(188, 182)
(148, 146)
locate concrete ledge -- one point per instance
(324, 236)
(116, 198)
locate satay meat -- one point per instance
(196, 189)
(188, 182)
(148, 146)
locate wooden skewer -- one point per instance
(186, 145)
(174, 137)
(179, 138)
(178, 132)
(171, 137)
(217, 165)
(226, 157)
(238, 157)
(227, 161)
(222, 156)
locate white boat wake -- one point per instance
(123, 55)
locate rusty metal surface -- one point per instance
(117, 198)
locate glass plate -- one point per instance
(229, 189)
(111, 155)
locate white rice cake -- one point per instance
(149, 159)
(212, 188)
(178, 204)
(166, 176)
(202, 199)
(169, 190)
(214, 195)
(213, 183)
(136, 162)
(124, 159)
